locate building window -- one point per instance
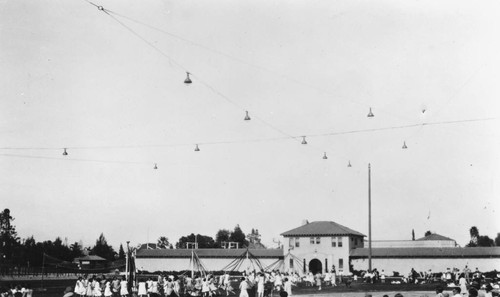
(291, 263)
(312, 240)
(297, 242)
(355, 241)
(341, 263)
(290, 243)
(318, 240)
(334, 241)
(340, 242)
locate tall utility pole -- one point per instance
(369, 218)
(127, 255)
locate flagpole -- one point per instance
(369, 218)
(127, 258)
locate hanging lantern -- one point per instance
(247, 117)
(349, 164)
(196, 149)
(404, 145)
(156, 167)
(304, 140)
(370, 114)
(324, 156)
(187, 80)
(65, 153)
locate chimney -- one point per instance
(305, 222)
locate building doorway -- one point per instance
(315, 266)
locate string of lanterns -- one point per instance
(188, 81)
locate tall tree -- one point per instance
(484, 240)
(238, 236)
(204, 242)
(427, 233)
(121, 252)
(8, 235)
(497, 240)
(254, 236)
(102, 249)
(474, 235)
(221, 236)
(76, 250)
(163, 242)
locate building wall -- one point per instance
(404, 265)
(325, 251)
(211, 264)
(412, 243)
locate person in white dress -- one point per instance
(462, 283)
(154, 289)
(288, 286)
(80, 287)
(97, 288)
(149, 285)
(141, 291)
(107, 289)
(243, 287)
(89, 289)
(260, 285)
(123, 288)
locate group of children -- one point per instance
(17, 291)
(97, 287)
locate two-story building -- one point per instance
(320, 245)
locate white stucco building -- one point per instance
(320, 245)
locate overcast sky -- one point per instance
(108, 85)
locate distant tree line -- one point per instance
(29, 253)
(208, 242)
(477, 240)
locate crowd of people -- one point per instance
(265, 283)
(23, 290)
(258, 284)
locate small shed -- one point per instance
(90, 262)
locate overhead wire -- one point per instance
(226, 98)
(199, 79)
(260, 67)
(256, 140)
(71, 159)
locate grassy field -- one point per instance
(55, 287)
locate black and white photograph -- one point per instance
(268, 148)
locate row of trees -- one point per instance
(29, 252)
(206, 242)
(481, 240)
(476, 240)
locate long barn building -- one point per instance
(317, 246)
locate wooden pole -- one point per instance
(43, 268)
(369, 218)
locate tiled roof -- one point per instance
(208, 253)
(321, 228)
(435, 237)
(91, 258)
(424, 252)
